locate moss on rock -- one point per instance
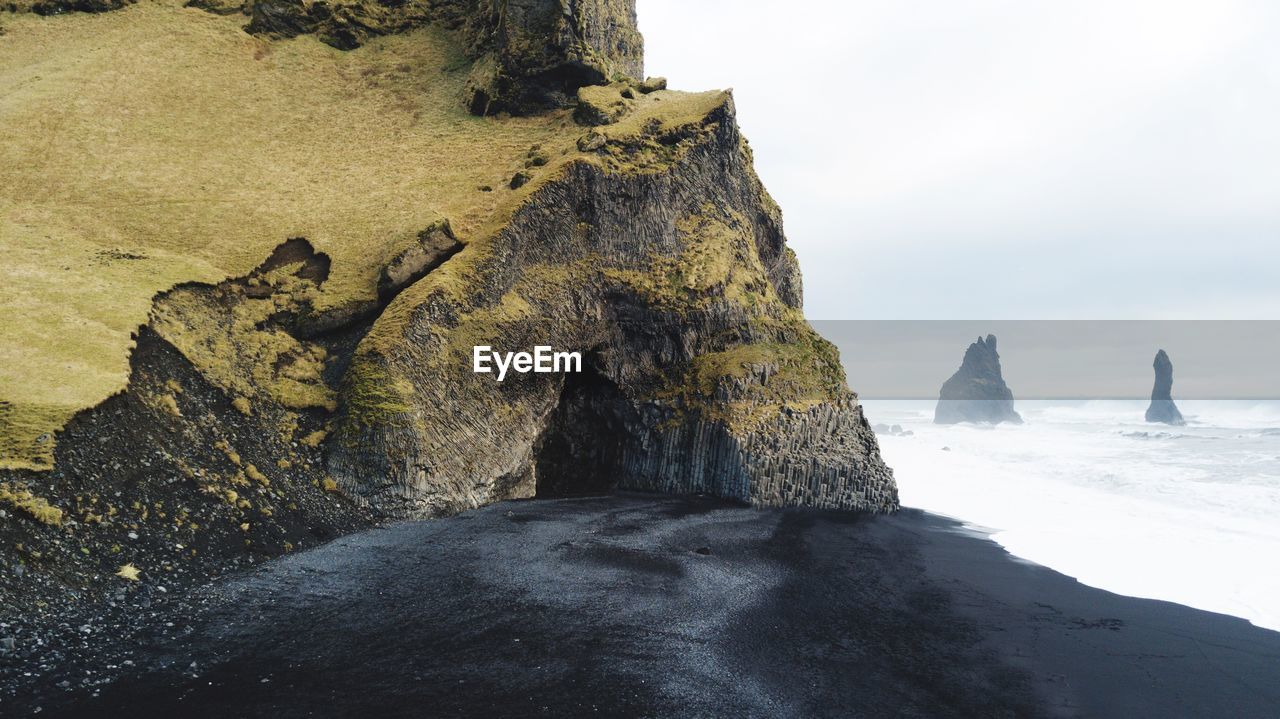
(23, 500)
(683, 297)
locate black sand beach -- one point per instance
(652, 606)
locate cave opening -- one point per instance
(582, 448)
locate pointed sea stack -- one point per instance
(1162, 408)
(977, 392)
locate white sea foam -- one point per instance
(1187, 514)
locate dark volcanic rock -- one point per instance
(346, 24)
(515, 611)
(435, 245)
(220, 7)
(977, 392)
(57, 7)
(1162, 408)
(535, 54)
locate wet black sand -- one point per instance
(645, 606)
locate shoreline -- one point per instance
(983, 532)
(660, 606)
(1093, 491)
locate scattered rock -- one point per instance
(704, 551)
(520, 179)
(893, 431)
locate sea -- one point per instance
(1187, 514)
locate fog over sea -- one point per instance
(1186, 514)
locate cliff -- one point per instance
(977, 391)
(253, 245)
(659, 258)
(1162, 408)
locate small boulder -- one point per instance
(435, 245)
(653, 84)
(591, 141)
(602, 104)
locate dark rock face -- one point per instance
(57, 7)
(977, 392)
(345, 24)
(537, 53)
(1162, 408)
(530, 54)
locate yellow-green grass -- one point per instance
(157, 144)
(653, 114)
(21, 498)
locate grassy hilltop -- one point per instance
(157, 144)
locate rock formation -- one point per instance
(57, 7)
(684, 299)
(529, 54)
(977, 392)
(1162, 408)
(304, 368)
(537, 53)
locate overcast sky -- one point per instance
(972, 159)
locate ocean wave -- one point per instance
(1092, 490)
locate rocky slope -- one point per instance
(977, 391)
(325, 383)
(1162, 408)
(659, 258)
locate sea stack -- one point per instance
(1162, 408)
(977, 392)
